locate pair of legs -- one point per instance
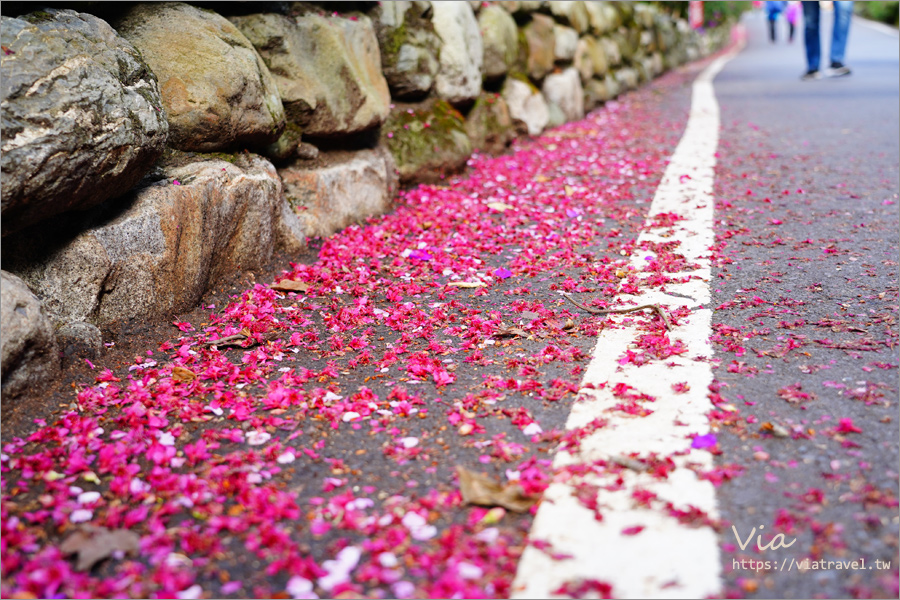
(842, 13)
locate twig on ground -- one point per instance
(616, 311)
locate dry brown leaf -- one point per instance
(481, 490)
(93, 544)
(290, 285)
(569, 190)
(467, 284)
(499, 206)
(182, 374)
(511, 332)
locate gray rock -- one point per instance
(327, 69)
(286, 146)
(596, 92)
(489, 124)
(538, 49)
(80, 340)
(611, 50)
(159, 250)
(584, 61)
(571, 13)
(500, 38)
(526, 104)
(82, 119)
(657, 65)
(627, 78)
(644, 15)
(428, 141)
(462, 52)
(217, 91)
(529, 6)
(409, 47)
(344, 189)
(557, 116)
(597, 51)
(28, 351)
(565, 43)
(307, 151)
(600, 16)
(564, 89)
(612, 86)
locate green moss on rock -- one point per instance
(427, 141)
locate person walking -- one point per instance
(792, 15)
(839, 33)
(773, 9)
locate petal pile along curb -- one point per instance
(654, 536)
(303, 440)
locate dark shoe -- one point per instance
(812, 74)
(839, 69)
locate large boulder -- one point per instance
(526, 104)
(341, 189)
(82, 119)
(28, 352)
(158, 250)
(537, 47)
(427, 141)
(217, 92)
(564, 89)
(327, 68)
(489, 124)
(571, 13)
(565, 43)
(409, 47)
(500, 38)
(459, 78)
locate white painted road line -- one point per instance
(667, 558)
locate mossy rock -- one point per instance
(428, 141)
(409, 48)
(489, 124)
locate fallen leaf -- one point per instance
(467, 284)
(499, 206)
(93, 544)
(290, 285)
(481, 490)
(511, 332)
(182, 374)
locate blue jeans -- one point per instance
(842, 13)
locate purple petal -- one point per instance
(704, 441)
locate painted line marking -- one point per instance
(667, 559)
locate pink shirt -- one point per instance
(793, 12)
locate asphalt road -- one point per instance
(807, 220)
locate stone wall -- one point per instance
(148, 149)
